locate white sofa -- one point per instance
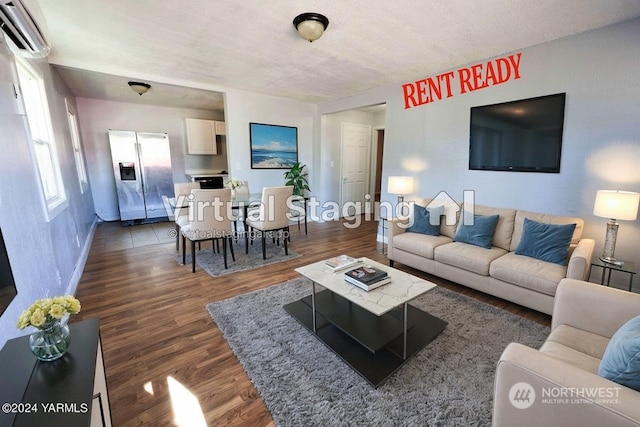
(499, 270)
(565, 388)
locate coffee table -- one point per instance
(374, 332)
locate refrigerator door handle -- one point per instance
(143, 175)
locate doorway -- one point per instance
(355, 170)
(354, 177)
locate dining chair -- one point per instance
(209, 219)
(181, 212)
(242, 193)
(271, 215)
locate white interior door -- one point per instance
(356, 145)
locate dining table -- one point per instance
(244, 201)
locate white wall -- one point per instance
(46, 257)
(242, 108)
(98, 116)
(601, 145)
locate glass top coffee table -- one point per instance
(375, 332)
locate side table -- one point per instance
(384, 225)
(70, 391)
(626, 267)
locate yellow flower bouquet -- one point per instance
(52, 339)
(46, 310)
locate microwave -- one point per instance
(210, 182)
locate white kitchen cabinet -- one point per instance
(221, 128)
(201, 136)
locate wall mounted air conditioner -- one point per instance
(21, 29)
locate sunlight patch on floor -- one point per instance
(148, 387)
(186, 407)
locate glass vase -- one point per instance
(50, 342)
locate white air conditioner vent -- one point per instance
(21, 29)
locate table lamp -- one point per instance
(615, 205)
(400, 185)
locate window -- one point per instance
(77, 148)
(44, 149)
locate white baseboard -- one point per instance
(72, 287)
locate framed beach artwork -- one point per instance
(273, 146)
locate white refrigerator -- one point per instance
(142, 171)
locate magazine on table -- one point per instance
(341, 262)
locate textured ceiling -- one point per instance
(253, 45)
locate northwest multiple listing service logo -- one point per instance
(522, 395)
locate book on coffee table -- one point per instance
(341, 262)
(367, 277)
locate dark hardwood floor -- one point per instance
(163, 354)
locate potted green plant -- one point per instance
(297, 177)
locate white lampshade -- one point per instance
(400, 185)
(613, 204)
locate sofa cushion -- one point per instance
(621, 360)
(419, 244)
(576, 347)
(480, 233)
(527, 272)
(468, 257)
(451, 212)
(504, 228)
(580, 340)
(426, 220)
(547, 242)
(547, 219)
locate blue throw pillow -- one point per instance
(480, 233)
(426, 220)
(621, 359)
(546, 242)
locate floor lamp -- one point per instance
(615, 205)
(400, 185)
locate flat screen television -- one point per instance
(518, 136)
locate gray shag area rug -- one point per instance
(213, 263)
(303, 383)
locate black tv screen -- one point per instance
(518, 136)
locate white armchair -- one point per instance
(585, 317)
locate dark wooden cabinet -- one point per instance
(70, 391)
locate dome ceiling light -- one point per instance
(310, 25)
(140, 88)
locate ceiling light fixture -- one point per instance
(310, 25)
(140, 88)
